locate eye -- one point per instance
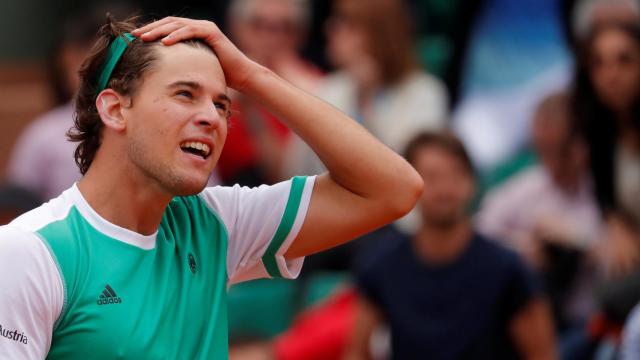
(222, 107)
(185, 94)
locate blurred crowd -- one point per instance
(522, 117)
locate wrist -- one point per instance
(255, 79)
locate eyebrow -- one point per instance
(197, 86)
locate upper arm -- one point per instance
(31, 295)
(262, 223)
(335, 216)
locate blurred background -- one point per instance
(522, 116)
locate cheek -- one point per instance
(632, 79)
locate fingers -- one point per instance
(173, 30)
(160, 31)
(206, 32)
(153, 25)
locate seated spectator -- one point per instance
(606, 106)
(605, 103)
(378, 81)
(447, 292)
(270, 32)
(548, 213)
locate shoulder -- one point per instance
(25, 256)
(422, 83)
(519, 186)
(385, 247)
(232, 203)
(15, 241)
(54, 210)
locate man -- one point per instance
(446, 292)
(559, 231)
(134, 260)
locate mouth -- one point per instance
(196, 148)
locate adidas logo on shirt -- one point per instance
(109, 296)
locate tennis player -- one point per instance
(134, 261)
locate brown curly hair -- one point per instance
(137, 59)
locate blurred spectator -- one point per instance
(447, 292)
(270, 32)
(378, 81)
(549, 215)
(42, 160)
(606, 104)
(14, 201)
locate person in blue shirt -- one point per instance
(447, 292)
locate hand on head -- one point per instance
(237, 67)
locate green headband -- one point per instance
(117, 48)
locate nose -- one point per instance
(208, 117)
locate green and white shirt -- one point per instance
(74, 286)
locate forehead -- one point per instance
(430, 158)
(612, 40)
(274, 9)
(182, 62)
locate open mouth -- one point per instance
(196, 148)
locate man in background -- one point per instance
(548, 214)
(447, 292)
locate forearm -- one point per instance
(355, 159)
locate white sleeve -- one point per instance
(262, 223)
(31, 295)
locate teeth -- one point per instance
(198, 146)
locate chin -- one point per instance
(186, 186)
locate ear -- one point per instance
(110, 105)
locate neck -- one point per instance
(442, 244)
(114, 191)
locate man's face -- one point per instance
(448, 186)
(563, 156)
(176, 124)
